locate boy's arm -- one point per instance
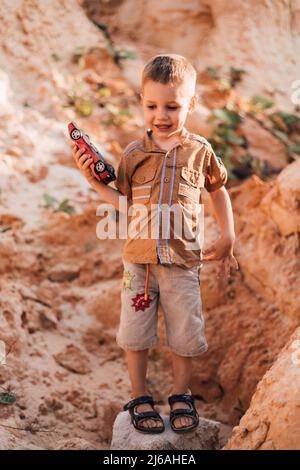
(222, 249)
(223, 211)
(108, 193)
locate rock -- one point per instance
(63, 272)
(272, 420)
(281, 204)
(106, 415)
(6, 94)
(203, 32)
(9, 441)
(76, 443)
(260, 245)
(48, 319)
(5, 439)
(14, 151)
(125, 437)
(73, 360)
(261, 141)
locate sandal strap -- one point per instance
(181, 412)
(182, 397)
(147, 415)
(138, 401)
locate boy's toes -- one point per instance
(183, 422)
(150, 423)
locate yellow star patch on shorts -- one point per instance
(127, 279)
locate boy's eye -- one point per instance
(151, 106)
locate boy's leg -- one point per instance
(137, 362)
(138, 329)
(182, 372)
(181, 303)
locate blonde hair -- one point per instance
(169, 68)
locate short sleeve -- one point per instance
(216, 173)
(122, 181)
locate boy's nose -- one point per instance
(161, 114)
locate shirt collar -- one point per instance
(150, 146)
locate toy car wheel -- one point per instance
(99, 167)
(75, 134)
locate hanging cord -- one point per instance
(147, 281)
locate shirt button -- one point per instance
(166, 180)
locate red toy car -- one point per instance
(101, 170)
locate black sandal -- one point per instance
(138, 418)
(183, 412)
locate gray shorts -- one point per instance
(178, 291)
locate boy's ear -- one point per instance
(193, 103)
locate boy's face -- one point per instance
(166, 107)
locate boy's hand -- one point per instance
(222, 250)
(83, 161)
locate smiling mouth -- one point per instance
(164, 126)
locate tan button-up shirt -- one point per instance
(163, 189)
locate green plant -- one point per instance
(285, 121)
(235, 75)
(117, 54)
(295, 148)
(53, 203)
(118, 115)
(7, 398)
(260, 103)
(227, 117)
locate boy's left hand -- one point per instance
(222, 250)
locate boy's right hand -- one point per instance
(83, 161)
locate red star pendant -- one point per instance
(140, 303)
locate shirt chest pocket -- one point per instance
(190, 184)
(141, 185)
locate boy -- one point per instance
(167, 168)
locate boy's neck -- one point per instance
(170, 143)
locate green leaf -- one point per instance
(228, 117)
(261, 102)
(290, 120)
(213, 73)
(236, 75)
(50, 201)
(7, 398)
(64, 206)
(228, 135)
(295, 148)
